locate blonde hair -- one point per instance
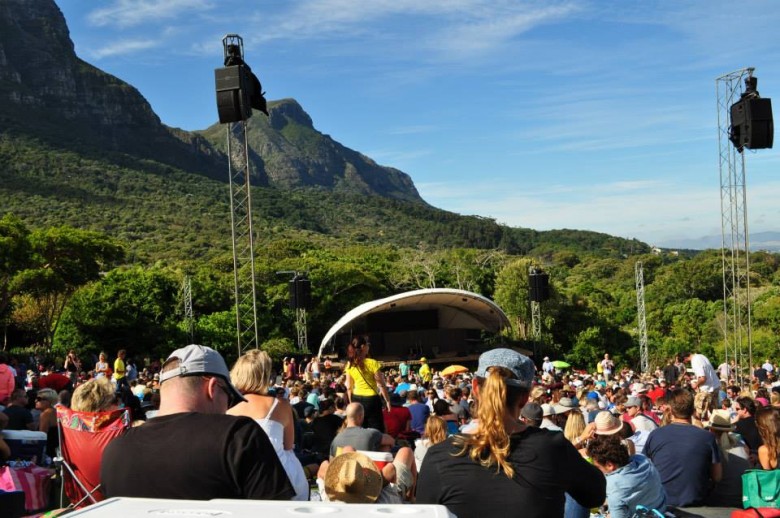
(252, 372)
(95, 395)
(49, 395)
(435, 429)
(575, 425)
(489, 445)
(538, 395)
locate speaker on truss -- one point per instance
(300, 293)
(538, 286)
(233, 89)
(752, 126)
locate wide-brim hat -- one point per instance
(720, 420)
(547, 410)
(565, 404)
(607, 424)
(200, 360)
(353, 478)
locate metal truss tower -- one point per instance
(735, 248)
(239, 169)
(300, 327)
(640, 310)
(186, 291)
(536, 321)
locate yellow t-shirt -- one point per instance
(119, 369)
(425, 372)
(363, 382)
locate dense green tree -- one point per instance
(511, 294)
(15, 256)
(65, 258)
(133, 308)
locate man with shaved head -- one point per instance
(362, 439)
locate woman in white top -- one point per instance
(252, 376)
(101, 367)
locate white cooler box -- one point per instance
(26, 445)
(151, 507)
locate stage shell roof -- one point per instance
(458, 309)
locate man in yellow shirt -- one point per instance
(425, 370)
(119, 369)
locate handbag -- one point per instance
(761, 488)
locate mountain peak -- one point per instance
(285, 111)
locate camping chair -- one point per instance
(83, 437)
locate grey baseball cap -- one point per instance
(521, 366)
(200, 360)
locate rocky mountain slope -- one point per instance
(48, 91)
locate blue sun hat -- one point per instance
(521, 366)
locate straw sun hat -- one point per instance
(607, 424)
(353, 478)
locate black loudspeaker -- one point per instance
(233, 93)
(752, 126)
(538, 287)
(300, 293)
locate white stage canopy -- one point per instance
(457, 309)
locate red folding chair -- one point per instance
(83, 437)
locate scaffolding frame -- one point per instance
(186, 295)
(242, 233)
(641, 318)
(735, 248)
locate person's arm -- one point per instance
(350, 384)
(289, 427)
(387, 441)
(380, 382)
(5, 450)
(716, 472)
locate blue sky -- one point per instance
(592, 115)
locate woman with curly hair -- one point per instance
(768, 424)
(631, 479)
(505, 468)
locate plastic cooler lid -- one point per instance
(381, 456)
(152, 507)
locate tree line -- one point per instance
(62, 288)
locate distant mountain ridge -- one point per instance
(289, 153)
(84, 148)
(768, 241)
(46, 89)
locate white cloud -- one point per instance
(652, 211)
(121, 47)
(129, 13)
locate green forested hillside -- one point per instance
(160, 212)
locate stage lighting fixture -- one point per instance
(752, 125)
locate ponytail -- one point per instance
(489, 446)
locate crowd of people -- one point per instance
(506, 436)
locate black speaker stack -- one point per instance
(752, 125)
(538, 286)
(300, 292)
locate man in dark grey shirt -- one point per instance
(362, 439)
